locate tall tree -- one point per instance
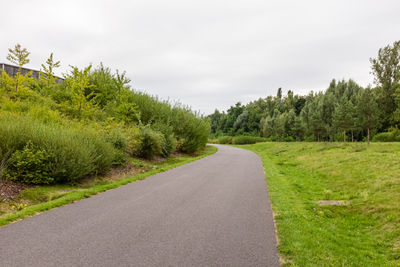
(19, 56)
(78, 81)
(386, 69)
(367, 112)
(343, 116)
(47, 71)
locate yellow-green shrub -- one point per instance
(73, 151)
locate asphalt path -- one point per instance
(211, 212)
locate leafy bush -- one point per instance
(150, 143)
(195, 135)
(392, 136)
(30, 165)
(225, 140)
(243, 140)
(73, 151)
(288, 139)
(169, 143)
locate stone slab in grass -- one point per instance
(332, 202)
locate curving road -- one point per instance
(211, 212)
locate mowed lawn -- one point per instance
(363, 232)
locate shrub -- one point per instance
(243, 140)
(288, 139)
(189, 129)
(169, 142)
(392, 136)
(149, 143)
(213, 140)
(73, 151)
(30, 165)
(169, 145)
(225, 140)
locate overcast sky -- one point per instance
(207, 54)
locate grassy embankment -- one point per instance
(41, 198)
(363, 232)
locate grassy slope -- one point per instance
(366, 232)
(43, 198)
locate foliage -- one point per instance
(77, 81)
(225, 140)
(243, 140)
(320, 116)
(240, 139)
(47, 73)
(86, 124)
(18, 55)
(30, 165)
(386, 70)
(69, 152)
(393, 136)
(150, 143)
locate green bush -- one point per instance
(30, 165)
(190, 130)
(243, 140)
(225, 140)
(169, 142)
(168, 145)
(392, 136)
(288, 139)
(74, 151)
(150, 143)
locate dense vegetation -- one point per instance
(344, 111)
(61, 131)
(362, 230)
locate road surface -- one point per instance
(211, 212)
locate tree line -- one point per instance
(344, 111)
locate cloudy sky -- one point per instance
(210, 53)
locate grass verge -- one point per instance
(363, 232)
(42, 198)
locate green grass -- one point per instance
(42, 198)
(365, 232)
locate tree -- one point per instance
(77, 81)
(19, 56)
(343, 116)
(47, 72)
(267, 126)
(367, 112)
(241, 121)
(386, 69)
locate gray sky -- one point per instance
(208, 54)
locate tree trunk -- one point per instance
(344, 136)
(79, 112)
(368, 136)
(17, 82)
(352, 136)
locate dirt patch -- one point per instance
(332, 202)
(10, 190)
(177, 154)
(157, 159)
(129, 170)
